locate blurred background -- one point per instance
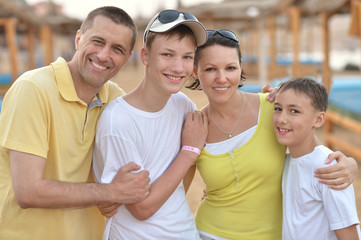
(279, 39)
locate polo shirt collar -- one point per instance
(66, 86)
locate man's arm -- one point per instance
(194, 134)
(33, 191)
(349, 233)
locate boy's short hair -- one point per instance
(180, 31)
(309, 87)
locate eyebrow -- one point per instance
(116, 45)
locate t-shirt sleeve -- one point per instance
(24, 121)
(340, 205)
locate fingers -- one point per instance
(130, 167)
(266, 88)
(339, 187)
(108, 209)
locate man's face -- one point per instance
(101, 51)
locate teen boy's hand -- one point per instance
(338, 176)
(195, 130)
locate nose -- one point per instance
(104, 54)
(282, 117)
(221, 77)
(177, 65)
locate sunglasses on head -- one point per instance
(224, 33)
(168, 16)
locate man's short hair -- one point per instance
(117, 15)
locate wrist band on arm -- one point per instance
(192, 149)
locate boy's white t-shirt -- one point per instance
(152, 140)
(311, 210)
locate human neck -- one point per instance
(305, 148)
(147, 98)
(84, 92)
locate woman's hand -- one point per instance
(338, 176)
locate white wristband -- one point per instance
(192, 149)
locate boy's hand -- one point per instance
(195, 129)
(108, 209)
(338, 176)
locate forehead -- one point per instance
(174, 42)
(114, 33)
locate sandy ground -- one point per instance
(130, 77)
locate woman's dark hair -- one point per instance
(216, 39)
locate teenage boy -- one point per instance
(145, 126)
(311, 210)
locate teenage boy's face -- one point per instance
(102, 50)
(295, 121)
(169, 62)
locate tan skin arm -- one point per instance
(338, 176)
(33, 191)
(188, 178)
(349, 233)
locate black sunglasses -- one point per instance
(224, 33)
(168, 16)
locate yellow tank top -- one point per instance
(244, 198)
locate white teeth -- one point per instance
(220, 89)
(283, 130)
(174, 78)
(98, 66)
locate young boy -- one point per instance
(145, 126)
(311, 210)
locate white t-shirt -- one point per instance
(311, 210)
(152, 140)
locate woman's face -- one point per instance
(219, 72)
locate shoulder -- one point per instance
(180, 99)
(319, 156)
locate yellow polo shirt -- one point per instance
(42, 115)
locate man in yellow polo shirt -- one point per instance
(47, 128)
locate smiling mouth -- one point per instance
(174, 79)
(221, 89)
(94, 64)
(282, 130)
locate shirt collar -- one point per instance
(66, 86)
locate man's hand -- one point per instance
(130, 187)
(338, 176)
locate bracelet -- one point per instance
(192, 149)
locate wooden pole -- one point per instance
(272, 46)
(326, 73)
(10, 32)
(31, 47)
(295, 15)
(46, 39)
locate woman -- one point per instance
(242, 162)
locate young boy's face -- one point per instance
(169, 62)
(295, 121)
